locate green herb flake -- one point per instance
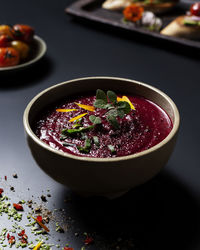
(86, 148)
(96, 141)
(111, 148)
(75, 131)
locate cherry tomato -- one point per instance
(195, 9)
(22, 48)
(5, 41)
(9, 57)
(23, 32)
(6, 30)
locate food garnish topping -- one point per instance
(126, 99)
(77, 117)
(114, 108)
(147, 19)
(65, 110)
(133, 12)
(193, 16)
(86, 107)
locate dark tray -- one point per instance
(92, 10)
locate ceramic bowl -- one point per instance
(109, 177)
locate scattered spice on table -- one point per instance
(18, 207)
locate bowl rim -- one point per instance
(30, 132)
(41, 53)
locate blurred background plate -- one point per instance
(92, 11)
(38, 49)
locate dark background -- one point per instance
(163, 213)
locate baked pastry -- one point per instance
(116, 4)
(155, 6)
(187, 26)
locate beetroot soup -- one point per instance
(105, 125)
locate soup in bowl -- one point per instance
(101, 135)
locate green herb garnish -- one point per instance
(112, 148)
(96, 141)
(95, 119)
(115, 109)
(76, 130)
(86, 148)
(67, 144)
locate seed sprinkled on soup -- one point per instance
(105, 125)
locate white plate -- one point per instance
(38, 49)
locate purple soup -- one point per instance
(116, 129)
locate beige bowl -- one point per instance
(100, 176)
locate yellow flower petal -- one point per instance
(86, 107)
(77, 117)
(66, 110)
(38, 246)
(119, 99)
(125, 99)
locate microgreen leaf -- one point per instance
(96, 140)
(112, 148)
(112, 120)
(67, 144)
(100, 104)
(120, 113)
(109, 106)
(95, 119)
(112, 96)
(76, 125)
(63, 137)
(125, 106)
(78, 130)
(87, 143)
(86, 148)
(112, 112)
(101, 95)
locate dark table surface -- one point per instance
(163, 213)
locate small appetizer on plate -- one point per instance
(155, 6)
(187, 26)
(146, 19)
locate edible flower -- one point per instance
(65, 110)
(41, 224)
(133, 12)
(38, 246)
(86, 107)
(126, 99)
(77, 117)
